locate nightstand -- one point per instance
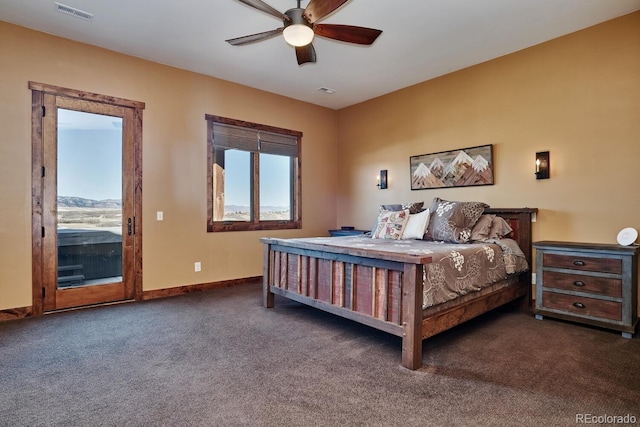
(590, 283)
(347, 232)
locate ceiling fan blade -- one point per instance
(260, 5)
(318, 9)
(305, 54)
(238, 41)
(347, 33)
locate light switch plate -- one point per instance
(159, 215)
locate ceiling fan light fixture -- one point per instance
(297, 30)
(298, 35)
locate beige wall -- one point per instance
(577, 96)
(174, 153)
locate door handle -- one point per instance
(129, 227)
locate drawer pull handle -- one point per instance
(579, 283)
(579, 263)
(578, 305)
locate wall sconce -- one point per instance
(382, 179)
(542, 165)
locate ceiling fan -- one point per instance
(300, 27)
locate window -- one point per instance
(253, 174)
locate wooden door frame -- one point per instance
(38, 90)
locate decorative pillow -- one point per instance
(480, 231)
(414, 207)
(416, 225)
(391, 224)
(499, 229)
(452, 221)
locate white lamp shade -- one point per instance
(298, 35)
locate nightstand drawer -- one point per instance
(583, 283)
(585, 306)
(577, 262)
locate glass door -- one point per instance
(89, 198)
(87, 242)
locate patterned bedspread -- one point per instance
(455, 270)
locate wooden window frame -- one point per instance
(215, 182)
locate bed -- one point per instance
(384, 289)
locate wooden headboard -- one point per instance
(520, 221)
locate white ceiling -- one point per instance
(421, 39)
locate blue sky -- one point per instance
(274, 179)
(89, 155)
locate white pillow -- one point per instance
(417, 225)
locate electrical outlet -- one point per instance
(159, 215)
(533, 278)
(197, 266)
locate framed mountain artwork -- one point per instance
(456, 168)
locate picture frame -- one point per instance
(463, 167)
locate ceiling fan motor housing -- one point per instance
(297, 18)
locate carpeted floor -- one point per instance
(220, 359)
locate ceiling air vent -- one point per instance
(73, 11)
(326, 90)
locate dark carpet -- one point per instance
(220, 359)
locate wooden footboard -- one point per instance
(385, 293)
(382, 290)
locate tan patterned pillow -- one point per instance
(453, 221)
(480, 231)
(499, 229)
(391, 224)
(414, 207)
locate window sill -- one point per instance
(222, 226)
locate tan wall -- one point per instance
(174, 153)
(577, 96)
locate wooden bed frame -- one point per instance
(384, 290)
